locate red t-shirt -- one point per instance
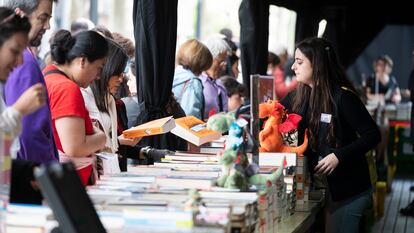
(66, 99)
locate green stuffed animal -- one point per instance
(237, 172)
(221, 122)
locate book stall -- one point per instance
(184, 192)
(231, 183)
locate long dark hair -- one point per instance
(10, 24)
(328, 75)
(115, 65)
(64, 47)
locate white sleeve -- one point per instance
(11, 121)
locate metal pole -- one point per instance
(93, 11)
(199, 11)
(254, 112)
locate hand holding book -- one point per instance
(128, 141)
(154, 127)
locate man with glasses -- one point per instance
(36, 139)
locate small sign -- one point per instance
(326, 118)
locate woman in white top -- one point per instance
(99, 98)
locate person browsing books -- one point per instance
(215, 95)
(193, 57)
(78, 61)
(14, 31)
(36, 140)
(340, 130)
(100, 101)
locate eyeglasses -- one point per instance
(128, 66)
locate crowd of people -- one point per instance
(77, 102)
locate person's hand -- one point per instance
(106, 149)
(406, 93)
(31, 100)
(327, 165)
(100, 133)
(128, 141)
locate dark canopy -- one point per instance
(254, 37)
(155, 30)
(350, 26)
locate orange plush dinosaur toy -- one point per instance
(270, 137)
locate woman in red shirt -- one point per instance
(78, 61)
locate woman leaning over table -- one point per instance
(100, 102)
(78, 61)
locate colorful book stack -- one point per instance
(215, 146)
(243, 204)
(291, 191)
(165, 187)
(272, 206)
(302, 181)
(29, 218)
(157, 200)
(282, 199)
(287, 187)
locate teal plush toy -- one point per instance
(237, 172)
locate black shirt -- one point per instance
(355, 134)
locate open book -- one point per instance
(159, 126)
(194, 130)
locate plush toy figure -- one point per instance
(270, 137)
(220, 122)
(237, 172)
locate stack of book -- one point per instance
(302, 181)
(157, 197)
(244, 207)
(282, 204)
(401, 111)
(22, 218)
(404, 111)
(291, 190)
(273, 206)
(287, 185)
(147, 198)
(215, 146)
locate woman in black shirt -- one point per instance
(340, 130)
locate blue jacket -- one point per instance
(188, 89)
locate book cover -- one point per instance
(159, 126)
(275, 158)
(196, 158)
(204, 184)
(266, 89)
(194, 130)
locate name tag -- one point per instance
(326, 118)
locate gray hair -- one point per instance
(217, 45)
(27, 6)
